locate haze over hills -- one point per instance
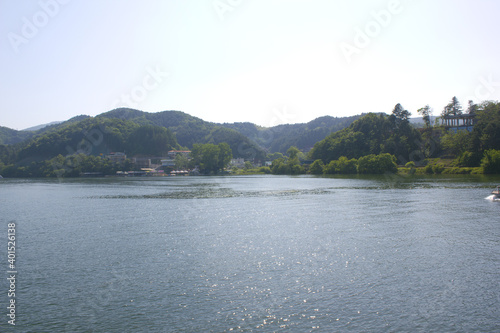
(38, 127)
(303, 136)
(78, 144)
(10, 136)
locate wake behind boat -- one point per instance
(495, 194)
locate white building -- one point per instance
(238, 162)
(117, 157)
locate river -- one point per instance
(253, 254)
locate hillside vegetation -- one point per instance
(189, 130)
(372, 134)
(372, 143)
(303, 136)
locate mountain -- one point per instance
(143, 133)
(132, 131)
(303, 136)
(190, 130)
(371, 134)
(38, 127)
(419, 121)
(54, 126)
(96, 136)
(10, 136)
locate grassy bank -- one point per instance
(438, 166)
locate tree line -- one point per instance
(373, 143)
(377, 143)
(373, 134)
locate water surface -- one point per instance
(254, 254)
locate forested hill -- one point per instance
(144, 133)
(132, 131)
(189, 130)
(303, 136)
(372, 134)
(93, 136)
(10, 136)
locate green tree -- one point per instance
(371, 134)
(486, 132)
(205, 156)
(400, 113)
(491, 161)
(469, 159)
(265, 169)
(211, 158)
(248, 165)
(456, 143)
(410, 165)
(293, 152)
(181, 162)
(280, 167)
(150, 140)
(274, 156)
(346, 166)
(342, 166)
(453, 108)
(377, 164)
(316, 167)
(283, 166)
(472, 108)
(225, 155)
(294, 161)
(426, 113)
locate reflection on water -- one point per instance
(257, 253)
(214, 193)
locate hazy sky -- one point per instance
(263, 61)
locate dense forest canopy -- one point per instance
(9, 136)
(363, 146)
(303, 136)
(211, 158)
(372, 134)
(189, 130)
(470, 147)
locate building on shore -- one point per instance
(117, 157)
(238, 162)
(172, 153)
(169, 162)
(459, 122)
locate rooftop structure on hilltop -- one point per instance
(459, 122)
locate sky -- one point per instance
(264, 61)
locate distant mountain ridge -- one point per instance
(246, 140)
(10, 136)
(302, 135)
(189, 129)
(419, 121)
(39, 127)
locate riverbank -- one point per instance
(439, 166)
